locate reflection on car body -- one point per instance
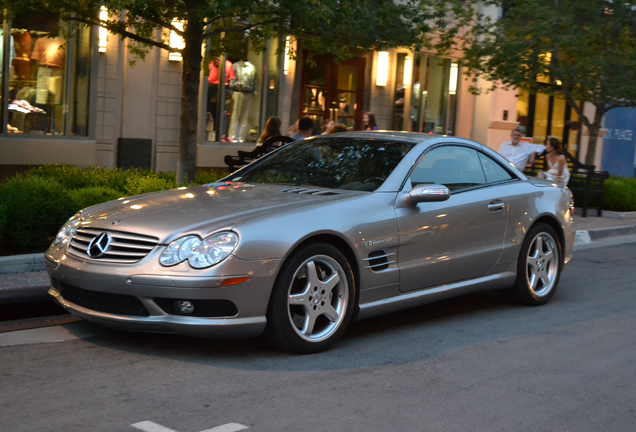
(313, 235)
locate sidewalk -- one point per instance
(23, 279)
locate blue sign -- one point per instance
(619, 146)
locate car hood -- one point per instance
(202, 209)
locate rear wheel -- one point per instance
(539, 266)
(312, 301)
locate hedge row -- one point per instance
(34, 206)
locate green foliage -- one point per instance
(144, 184)
(35, 209)
(35, 205)
(90, 196)
(3, 222)
(619, 194)
(582, 51)
(205, 177)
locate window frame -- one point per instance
(69, 82)
(514, 177)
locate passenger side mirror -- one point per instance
(428, 193)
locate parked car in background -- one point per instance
(313, 235)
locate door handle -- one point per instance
(496, 206)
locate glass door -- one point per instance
(332, 91)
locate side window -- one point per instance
(494, 172)
(452, 166)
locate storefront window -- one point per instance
(236, 106)
(436, 96)
(400, 92)
(38, 76)
(36, 79)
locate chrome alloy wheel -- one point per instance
(542, 264)
(318, 298)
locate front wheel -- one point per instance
(312, 300)
(539, 266)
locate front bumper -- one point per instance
(140, 297)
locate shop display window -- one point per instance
(40, 69)
(433, 95)
(236, 109)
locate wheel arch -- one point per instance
(553, 223)
(346, 249)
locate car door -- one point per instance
(457, 239)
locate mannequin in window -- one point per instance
(244, 90)
(213, 90)
(50, 55)
(21, 63)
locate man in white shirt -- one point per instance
(518, 152)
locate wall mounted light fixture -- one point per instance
(382, 73)
(176, 41)
(452, 80)
(103, 33)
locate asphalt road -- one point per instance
(475, 363)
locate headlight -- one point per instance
(200, 254)
(67, 232)
(179, 250)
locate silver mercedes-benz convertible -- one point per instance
(313, 235)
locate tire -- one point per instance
(539, 266)
(312, 301)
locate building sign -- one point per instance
(619, 147)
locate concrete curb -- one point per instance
(22, 264)
(603, 233)
(619, 215)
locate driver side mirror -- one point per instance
(427, 193)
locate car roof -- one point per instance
(412, 137)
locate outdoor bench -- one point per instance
(235, 162)
(585, 182)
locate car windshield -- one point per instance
(335, 162)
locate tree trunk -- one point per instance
(594, 130)
(190, 80)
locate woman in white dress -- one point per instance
(558, 170)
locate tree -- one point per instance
(325, 27)
(582, 50)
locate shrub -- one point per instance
(205, 177)
(35, 209)
(138, 185)
(3, 222)
(90, 196)
(619, 194)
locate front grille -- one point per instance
(125, 248)
(119, 304)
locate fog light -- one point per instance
(184, 307)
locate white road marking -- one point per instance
(230, 427)
(148, 426)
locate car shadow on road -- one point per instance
(395, 338)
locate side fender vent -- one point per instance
(379, 260)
